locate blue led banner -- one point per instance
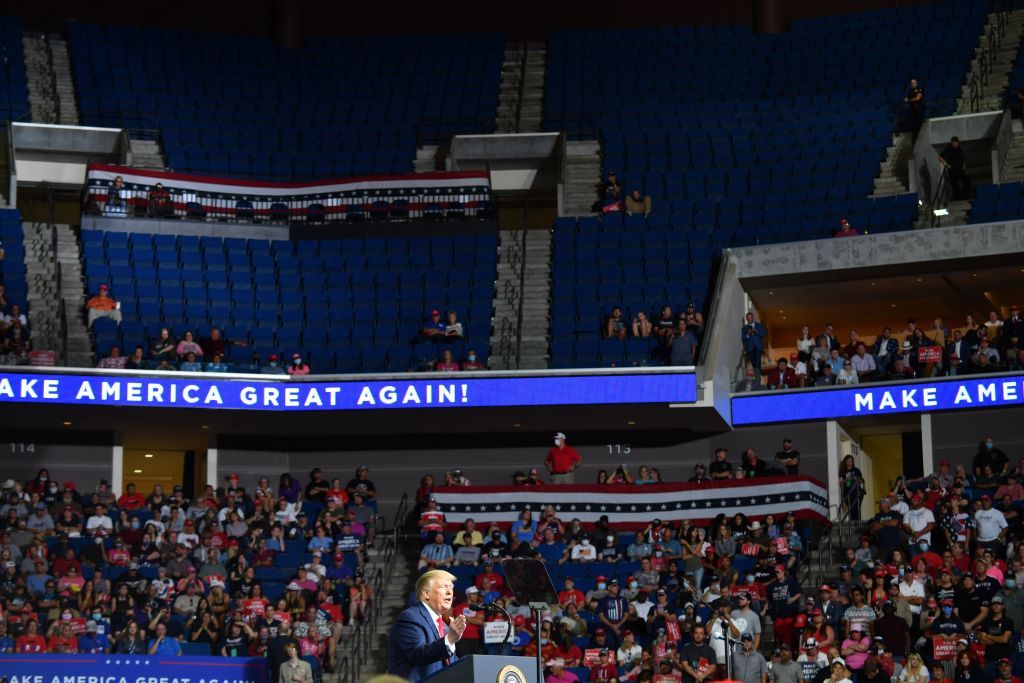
(954, 393)
(55, 668)
(288, 396)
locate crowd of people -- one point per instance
(995, 345)
(678, 337)
(929, 591)
(232, 572)
(15, 332)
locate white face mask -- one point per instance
(557, 442)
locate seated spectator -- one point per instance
(846, 230)
(472, 362)
(665, 326)
(638, 204)
(17, 340)
(273, 366)
(611, 194)
(216, 364)
(446, 363)
(164, 347)
(160, 202)
(187, 345)
(436, 555)
(433, 327)
(116, 204)
(847, 374)
(782, 376)
(641, 326)
(103, 306)
(16, 314)
(863, 363)
(136, 361)
(114, 360)
(615, 325)
(216, 343)
(900, 370)
(298, 367)
(453, 328)
(190, 364)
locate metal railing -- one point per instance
(362, 638)
(62, 313)
(836, 533)
(522, 85)
(987, 54)
(522, 293)
(939, 197)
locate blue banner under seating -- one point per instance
(50, 668)
(396, 197)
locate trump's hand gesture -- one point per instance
(456, 628)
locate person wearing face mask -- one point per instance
(272, 367)
(473, 362)
(298, 367)
(989, 454)
(562, 461)
(599, 590)
(610, 552)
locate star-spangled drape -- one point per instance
(637, 505)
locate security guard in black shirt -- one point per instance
(915, 102)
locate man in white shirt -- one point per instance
(188, 537)
(918, 522)
(912, 591)
(719, 623)
(100, 520)
(628, 651)
(863, 363)
(584, 551)
(991, 523)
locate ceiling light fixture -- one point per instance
(67, 423)
(148, 455)
(137, 471)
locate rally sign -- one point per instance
(55, 668)
(154, 390)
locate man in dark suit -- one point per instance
(421, 643)
(752, 337)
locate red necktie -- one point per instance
(444, 632)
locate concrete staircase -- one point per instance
(1002, 55)
(44, 294)
(582, 177)
(523, 288)
(522, 73)
(893, 173)
(426, 159)
(42, 95)
(958, 211)
(397, 589)
(1013, 165)
(60, 62)
(145, 154)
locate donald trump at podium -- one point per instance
(422, 641)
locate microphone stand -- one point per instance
(726, 631)
(491, 607)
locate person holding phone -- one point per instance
(163, 644)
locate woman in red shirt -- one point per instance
(30, 642)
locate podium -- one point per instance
(488, 669)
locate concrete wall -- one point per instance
(82, 464)
(895, 248)
(397, 472)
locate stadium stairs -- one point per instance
(582, 176)
(521, 100)
(522, 301)
(1000, 55)
(42, 96)
(48, 284)
(396, 598)
(51, 86)
(894, 171)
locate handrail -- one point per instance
(522, 86)
(826, 544)
(361, 639)
(53, 78)
(939, 196)
(62, 312)
(522, 295)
